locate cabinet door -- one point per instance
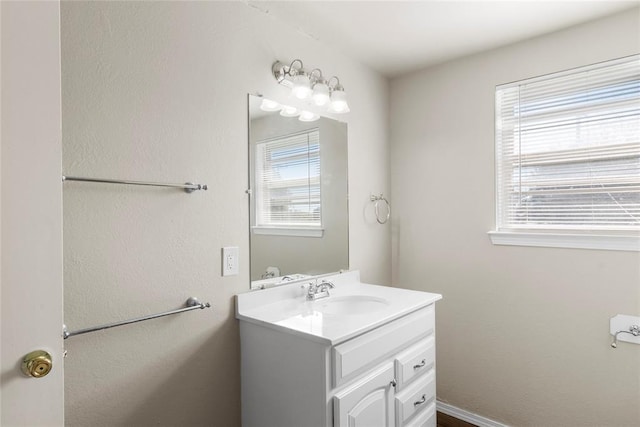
(367, 403)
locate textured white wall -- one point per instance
(522, 332)
(158, 91)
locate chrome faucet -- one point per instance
(318, 290)
(268, 275)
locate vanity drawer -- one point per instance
(356, 355)
(416, 397)
(414, 361)
(425, 418)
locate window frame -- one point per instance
(555, 236)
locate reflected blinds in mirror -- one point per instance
(288, 181)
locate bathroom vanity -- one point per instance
(363, 356)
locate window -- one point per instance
(568, 156)
(288, 196)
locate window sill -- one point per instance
(575, 241)
(289, 231)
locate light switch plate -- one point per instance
(230, 261)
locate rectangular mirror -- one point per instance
(298, 201)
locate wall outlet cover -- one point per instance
(230, 261)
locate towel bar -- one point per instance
(192, 304)
(188, 186)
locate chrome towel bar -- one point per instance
(192, 304)
(188, 186)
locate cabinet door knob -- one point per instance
(421, 401)
(393, 383)
(37, 364)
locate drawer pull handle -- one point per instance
(421, 365)
(421, 401)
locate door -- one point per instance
(368, 402)
(31, 213)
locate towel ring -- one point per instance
(377, 200)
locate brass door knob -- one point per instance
(37, 364)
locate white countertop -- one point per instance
(277, 281)
(285, 308)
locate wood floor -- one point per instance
(445, 420)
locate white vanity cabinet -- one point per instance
(313, 369)
(399, 384)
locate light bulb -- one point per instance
(321, 94)
(339, 102)
(308, 116)
(288, 111)
(301, 86)
(269, 105)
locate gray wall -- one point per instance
(158, 91)
(522, 332)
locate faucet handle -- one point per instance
(312, 286)
(326, 284)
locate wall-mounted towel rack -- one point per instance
(377, 200)
(192, 304)
(187, 186)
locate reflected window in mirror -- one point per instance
(287, 185)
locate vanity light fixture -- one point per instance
(320, 95)
(312, 85)
(338, 98)
(308, 116)
(301, 85)
(288, 111)
(269, 105)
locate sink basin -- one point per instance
(350, 305)
(351, 309)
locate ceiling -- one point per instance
(397, 37)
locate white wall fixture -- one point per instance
(304, 84)
(625, 328)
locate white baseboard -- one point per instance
(467, 416)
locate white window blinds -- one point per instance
(568, 150)
(288, 181)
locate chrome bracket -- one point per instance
(198, 187)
